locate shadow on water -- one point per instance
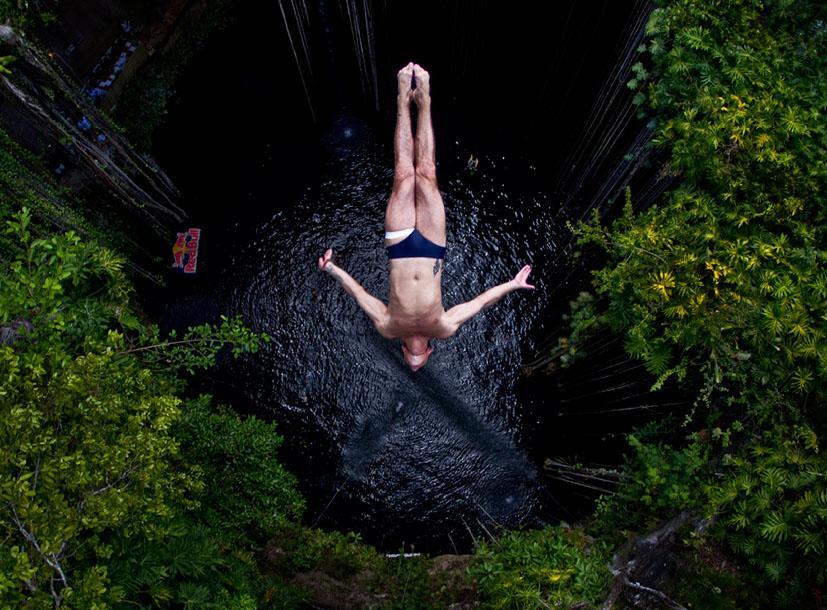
(429, 458)
(420, 455)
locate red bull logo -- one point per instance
(185, 251)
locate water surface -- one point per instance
(416, 457)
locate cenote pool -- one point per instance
(434, 458)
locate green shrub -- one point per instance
(698, 585)
(247, 492)
(772, 511)
(191, 567)
(89, 459)
(658, 480)
(399, 583)
(724, 275)
(208, 558)
(553, 567)
(313, 550)
(84, 433)
(721, 283)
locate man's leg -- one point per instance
(401, 211)
(430, 211)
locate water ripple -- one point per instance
(420, 454)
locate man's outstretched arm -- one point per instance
(376, 310)
(465, 311)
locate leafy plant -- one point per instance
(339, 555)
(658, 480)
(5, 62)
(724, 276)
(552, 567)
(772, 511)
(191, 567)
(378, 581)
(721, 284)
(722, 587)
(88, 453)
(250, 494)
(581, 323)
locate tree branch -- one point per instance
(644, 558)
(51, 559)
(659, 594)
(156, 346)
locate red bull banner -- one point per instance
(185, 251)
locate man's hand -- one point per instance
(326, 261)
(521, 279)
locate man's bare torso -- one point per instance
(415, 299)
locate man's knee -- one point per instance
(426, 172)
(403, 180)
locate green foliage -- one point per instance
(313, 550)
(23, 13)
(581, 324)
(721, 284)
(191, 567)
(767, 502)
(5, 62)
(724, 276)
(554, 567)
(23, 184)
(772, 511)
(282, 595)
(411, 584)
(250, 493)
(699, 585)
(390, 583)
(85, 435)
(207, 558)
(88, 453)
(197, 347)
(658, 480)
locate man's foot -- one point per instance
(422, 93)
(404, 77)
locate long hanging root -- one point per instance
(132, 178)
(299, 21)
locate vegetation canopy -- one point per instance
(721, 286)
(94, 449)
(724, 276)
(117, 489)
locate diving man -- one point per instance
(415, 239)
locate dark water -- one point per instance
(414, 456)
(428, 458)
